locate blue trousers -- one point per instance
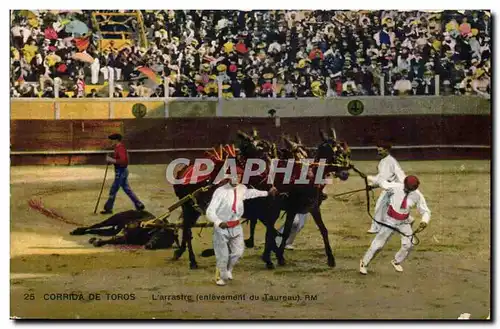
(121, 180)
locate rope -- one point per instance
(349, 193)
(320, 164)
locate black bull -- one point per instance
(125, 228)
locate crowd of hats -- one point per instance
(41, 48)
(294, 53)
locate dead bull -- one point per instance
(125, 228)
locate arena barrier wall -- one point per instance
(414, 105)
(121, 108)
(415, 137)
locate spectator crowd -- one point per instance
(269, 53)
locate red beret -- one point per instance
(411, 182)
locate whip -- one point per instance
(348, 193)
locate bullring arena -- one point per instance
(447, 274)
(59, 143)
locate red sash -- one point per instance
(394, 214)
(233, 223)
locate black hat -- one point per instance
(384, 144)
(115, 137)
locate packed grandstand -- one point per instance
(274, 53)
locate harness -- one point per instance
(413, 237)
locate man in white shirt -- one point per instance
(402, 197)
(388, 170)
(403, 86)
(225, 210)
(404, 61)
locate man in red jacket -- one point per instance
(120, 160)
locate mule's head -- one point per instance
(252, 146)
(336, 153)
(294, 149)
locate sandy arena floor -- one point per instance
(447, 274)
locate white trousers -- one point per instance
(228, 248)
(106, 73)
(118, 74)
(385, 233)
(380, 210)
(298, 224)
(94, 72)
